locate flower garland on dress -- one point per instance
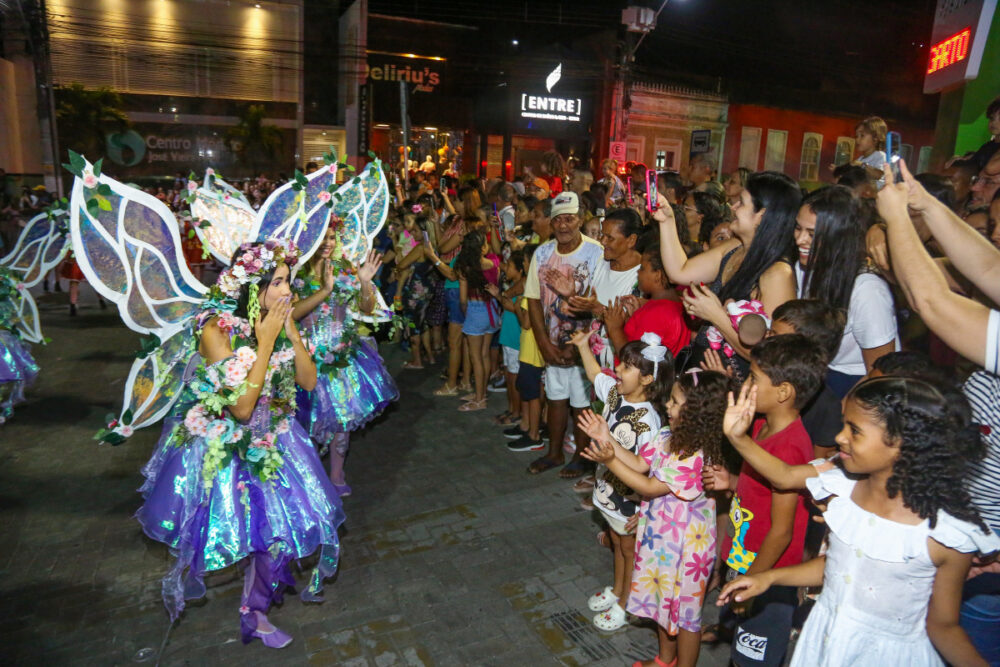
(10, 291)
(220, 385)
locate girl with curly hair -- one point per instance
(903, 530)
(675, 552)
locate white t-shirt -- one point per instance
(876, 160)
(871, 322)
(634, 426)
(609, 284)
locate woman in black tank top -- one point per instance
(755, 264)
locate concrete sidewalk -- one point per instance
(452, 554)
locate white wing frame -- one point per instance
(232, 221)
(300, 217)
(34, 254)
(132, 272)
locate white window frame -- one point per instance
(667, 146)
(750, 147)
(836, 151)
(776, 162)
(809, 170)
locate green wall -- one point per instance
(972, 126)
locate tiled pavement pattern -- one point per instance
(452, 555)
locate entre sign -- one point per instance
(958, 40)
(551, 107)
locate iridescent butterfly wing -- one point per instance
(361, 205)
(299, 210)
(127, 245)
(43, 243)
(230, 218)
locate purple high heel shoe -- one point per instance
(343, 490)
(250, 622)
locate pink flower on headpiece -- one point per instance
(417, 208)
(192, 186)
(324, 196)
(332, 168)
(126, 431)
(19, 287)
(90, 181)
(210, 172)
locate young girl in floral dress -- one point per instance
(353, 385)
(675, 545)
(235, 477)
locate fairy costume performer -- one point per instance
(234, 477)
(354, 385)
(41, 245)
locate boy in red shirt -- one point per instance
(769, 526)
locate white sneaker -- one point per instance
(602, 601)
(612, 619)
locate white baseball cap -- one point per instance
(565, 202)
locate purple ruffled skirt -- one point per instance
(17, 370)
(348, 398)
(292, 516)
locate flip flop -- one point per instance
(573, 469)
(412, 367)
(542, 464)
(472, 406)
(500, 418)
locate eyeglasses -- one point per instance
(989, 180)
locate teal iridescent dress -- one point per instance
(353, 385)
(17, 367)
(219, 491)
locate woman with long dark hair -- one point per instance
(754, 264)
(833, 268)
(477, 267)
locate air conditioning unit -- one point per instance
(638, 19)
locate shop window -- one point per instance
(774, 154)
(923, 160)
(749, 147)
(845, 150)
(812, 146)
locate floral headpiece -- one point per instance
(252, 260)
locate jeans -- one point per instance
(980, 615)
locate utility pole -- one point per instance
(637, 21)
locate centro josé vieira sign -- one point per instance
(551, 106)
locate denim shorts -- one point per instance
(454, 303)
(481, 317)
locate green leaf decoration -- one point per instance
(97, 167)
(93, 208)
(190, 233)
(300, 178)
(104, 189)
(147, 345)
(127, 417)
(103, 203)
(372, 155)
(73, 170)
(77, 161)
(296, 187)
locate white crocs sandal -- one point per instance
(611, 620)
(602, 601)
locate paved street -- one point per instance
(452, 555)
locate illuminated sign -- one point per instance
(549, 107)
(958, 41)
(950, 51)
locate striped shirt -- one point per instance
(983, 391)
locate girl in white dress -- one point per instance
(903, 531)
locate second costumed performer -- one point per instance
(353, 385)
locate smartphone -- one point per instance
(629, 179)
(427, 239)
(893, 145)
(651, 199)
